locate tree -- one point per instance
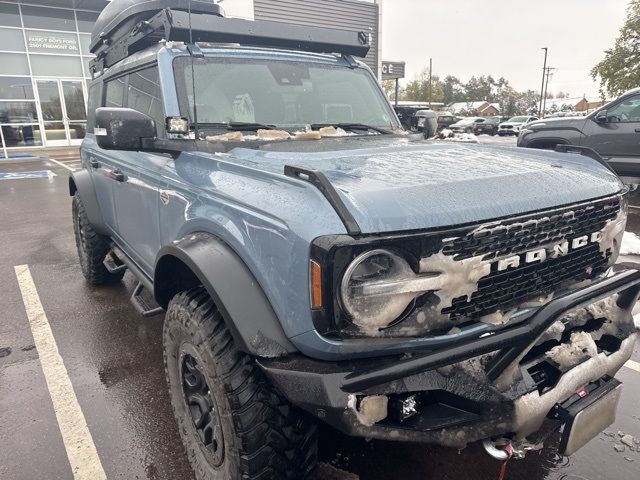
(452, 90)
(528, 102)
(417, 90)
(619, 71)
(389, 88)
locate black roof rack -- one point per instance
(122, 35)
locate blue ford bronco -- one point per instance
(318, 264)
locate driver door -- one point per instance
(618, 138)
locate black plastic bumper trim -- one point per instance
(512, 341)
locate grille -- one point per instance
(527, 233)
(506, 290)
(510, 288)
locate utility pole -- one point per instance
(548, 74)
(430, 81)
(397, 90)
(544, 71)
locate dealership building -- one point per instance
(44, 59)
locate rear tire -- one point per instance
(255, 433)
(92, 247)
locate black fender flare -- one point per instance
(243, 304)
(80, 181)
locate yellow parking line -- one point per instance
(633, 365)
(81, 451)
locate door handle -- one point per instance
(637, 130)
(94, 163)
(117, 175)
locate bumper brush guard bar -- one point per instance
(510, 342)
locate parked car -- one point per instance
(446, 120)
(514, 124)
(406, 114)
(343, 272)
(427, 118)
(488, 126)
(465, 125)
(613, 131)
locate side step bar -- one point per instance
(118, 261)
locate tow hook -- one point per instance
(502, 449)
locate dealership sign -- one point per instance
(392, 70)
(52, 42)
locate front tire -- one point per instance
(233, 424)
(92, 247)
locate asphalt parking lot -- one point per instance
(121, 422)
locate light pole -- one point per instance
(544, 71)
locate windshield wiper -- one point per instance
(351, 126)
(239, 126)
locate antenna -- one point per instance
(193, 79)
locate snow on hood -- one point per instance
(428, 185)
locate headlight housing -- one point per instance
(371, 289)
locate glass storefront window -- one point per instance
(18, 88)
(48, 18)
(11, 39)
(9, 15)
(56, 65)
(85, 41)
(52, 42)
(18, 112)
(74, 100)
(21, 135)
(50, 102)
(14, 64)
(86, 20)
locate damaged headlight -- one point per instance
(378, 287)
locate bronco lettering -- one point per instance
(542, 254)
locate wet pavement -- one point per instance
(114, 360)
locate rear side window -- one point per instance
(114, 94)
(92, 103)
(144, 95)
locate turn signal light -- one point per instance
(316, 285)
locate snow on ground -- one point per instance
(463, 138)
(630, 244)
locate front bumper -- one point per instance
(500, 384)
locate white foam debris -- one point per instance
(334, 132)
(630, 244)
(580, 347)
(372, 409)
(226, 137)
(264, 134)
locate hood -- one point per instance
(416, 185)
(562, 122)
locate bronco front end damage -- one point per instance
(507, 384)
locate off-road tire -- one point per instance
(264, 437)
(92, 247)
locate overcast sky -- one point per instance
(503, 38)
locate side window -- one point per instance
(144, 95)
(625, 111)
(93, 102)
(114, 93)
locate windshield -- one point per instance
(284, 94)
(519, 119)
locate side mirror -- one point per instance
(602, 117)
(122, 128)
